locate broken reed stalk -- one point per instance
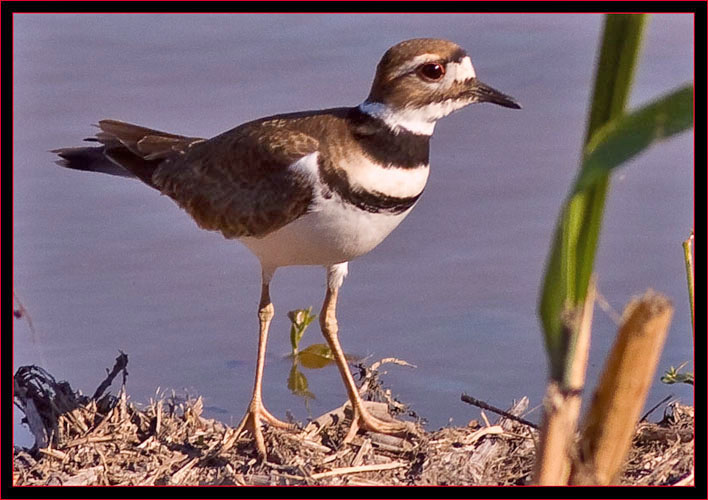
(562, 406)
(619, 398)
(688, 259)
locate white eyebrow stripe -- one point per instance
(415, 62)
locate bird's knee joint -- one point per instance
(266, 312)
(328, 323)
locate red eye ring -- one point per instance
(431, 71)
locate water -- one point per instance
(104, 263)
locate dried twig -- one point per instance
(486, 406)
(373, 369)
(644, 417)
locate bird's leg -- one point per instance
(361, 417)
(256, 410)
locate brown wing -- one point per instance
(239, 182)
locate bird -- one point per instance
(319, 187)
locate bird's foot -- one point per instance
(362, 419)
(252, 422)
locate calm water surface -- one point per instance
(104, 263)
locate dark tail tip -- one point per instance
(89, 160)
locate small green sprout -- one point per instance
(300, 319)
(673, 376)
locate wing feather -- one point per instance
(240, 182)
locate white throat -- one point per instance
(418, 120)
(415, 121)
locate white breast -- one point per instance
(397, 182)
(332, 232)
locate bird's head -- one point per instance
(421, 80)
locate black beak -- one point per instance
(481, 92)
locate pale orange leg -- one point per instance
(361, 417)
(256, 410)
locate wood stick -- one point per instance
(89, 439)
(622, 390)
(361, 468)
(50, 452)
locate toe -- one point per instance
(251, 422)
(268, 417)
(393, 427)
(366, 421)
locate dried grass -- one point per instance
(112, 441)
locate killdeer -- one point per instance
(311, 188)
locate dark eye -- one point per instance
(431, 71)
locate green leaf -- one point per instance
(315, 356)
(572, 255)
(612, 138)
(627, 136)
(575, 243)
(621, 41)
